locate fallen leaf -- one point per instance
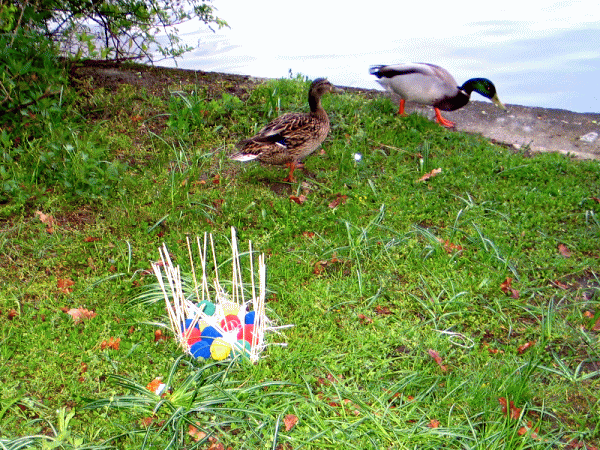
(290, 421)
(491, 350)
(526, 428)
(364, 319)
(91, 239)
(332, 378)
(507, 288)
(195, 433)
(63, 285)
(154, 384)
(215, 444)
(429, 175)
(111, 343)
(146, 422)
(383, 310)
(298, 199)
(308, 234)
(322, 381)
(564, 251)
(80, 314)
(91, 264)
(319, 267)
(560, 285)
(12, 314)
(46, 219)
(596, 199)
(340, 199)
(509, 408)
(434, 423)
(438, 359)
(595, 326)
(450, 247)
(82, 370)
(574, 444)
(521, 348)
(503, 404)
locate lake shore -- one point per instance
(530, 129)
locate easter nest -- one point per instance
(211, 322)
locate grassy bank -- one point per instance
(457, 312)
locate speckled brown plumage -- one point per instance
(290, 138)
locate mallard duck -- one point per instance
(290, 138)
(433, 85)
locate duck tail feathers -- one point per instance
(374, 70)
(243, 157)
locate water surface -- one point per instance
(537, 53)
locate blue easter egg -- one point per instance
(249, 318)
(209, 334)
(200, 349)
(188, 323)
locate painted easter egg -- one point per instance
(200, 349)
(220, 349)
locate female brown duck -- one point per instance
(290, 138)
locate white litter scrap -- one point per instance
(210, 322)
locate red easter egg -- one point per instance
(246, 333)
(194, 336)
(231, 322)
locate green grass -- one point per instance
(398, 268)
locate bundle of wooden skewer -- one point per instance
(210, 322)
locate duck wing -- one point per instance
(393, 70)
(419, 82)
(288, 125)
(286, 138)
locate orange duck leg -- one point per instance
(445, 122)
(293, 166)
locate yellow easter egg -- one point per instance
(230, 308)
(219, 349)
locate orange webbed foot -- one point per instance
(444, 122)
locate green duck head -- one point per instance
(484, 87)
